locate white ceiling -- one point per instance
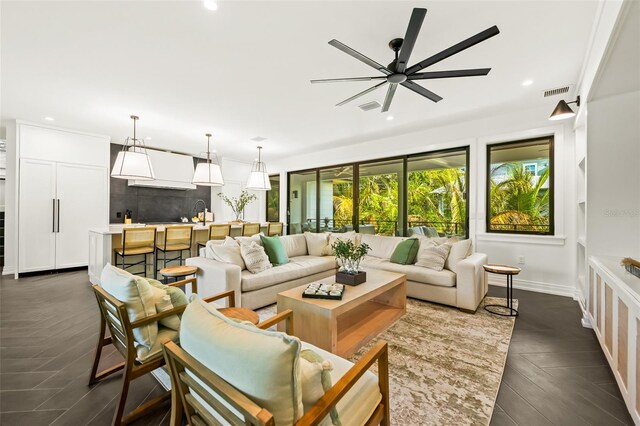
(244, 70)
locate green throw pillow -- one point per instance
(406, 252)
(275, 250)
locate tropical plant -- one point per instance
(238, 204)
(350, 254)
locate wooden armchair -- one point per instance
(113, 314)
(184, 386)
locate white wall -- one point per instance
(8, 127)
(549, 260)
(235, 175)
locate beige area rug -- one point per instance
(445, 366)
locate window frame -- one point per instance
(404, 199)
(551, 232)
(266, 198)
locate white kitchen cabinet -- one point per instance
(62, 194)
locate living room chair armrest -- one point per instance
(286, 315)
(192, 281)
(231, 295)
(157, 317)
(321, 409)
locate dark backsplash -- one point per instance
(152, 204)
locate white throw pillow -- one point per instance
(163, 303)
(294, 245)
(263, 365)
(343, 236)
(433, 256)
(317, 244)
(138, 297)
(248, 240)
(460, 250)
(227, 252)
(315, 375)
(255, 257)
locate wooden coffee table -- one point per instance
(344, 326)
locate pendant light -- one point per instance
(133, 162)
(563, 110)
(208, 173)
(259, 178)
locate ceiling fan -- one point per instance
(398, 73)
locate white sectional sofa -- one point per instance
(464, 288)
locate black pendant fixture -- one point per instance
(563, 110)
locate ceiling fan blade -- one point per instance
(348, 79)
(364, 92)
(449, 74)
(415, 23)
(387, 100)
(421, 91)
(465, 44)
(359, 56)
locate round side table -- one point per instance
(242, 314)
(177, 272)
(509, 271)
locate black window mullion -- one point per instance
(355, 219)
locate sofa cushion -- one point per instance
(317, 243)
(138, 297)
(227, 252)
(298, 267)
(460, 250)
(255, 257)
(263, 365)
(361, 400)
(381, 246)
(444, 278)
(294, 245)
(275, 250)
(406, 252)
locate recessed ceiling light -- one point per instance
(211, 4)
(527, 82)
(49, 118)
(148, 138)
(390, 117)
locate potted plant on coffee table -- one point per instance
(350, 255)
(238, 204)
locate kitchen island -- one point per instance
(103, 241)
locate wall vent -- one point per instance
(557, 91)
(370, 105)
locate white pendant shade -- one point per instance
(133, 164)
(259, 181)
(208, 174)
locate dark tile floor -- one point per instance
(555, 373)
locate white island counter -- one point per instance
(103, 241)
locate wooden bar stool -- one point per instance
(177, 238)
(249, 229)
(217, 232)
(136, 242)
(275, 228)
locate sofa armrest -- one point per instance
(470, 281)
(216, 277)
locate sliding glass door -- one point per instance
(336, 199)
(302, 202)
(436, 196)
(380, 188)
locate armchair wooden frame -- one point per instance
(113, 314)
(184, 404)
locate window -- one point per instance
(302, 202)
(336, 199)
(437, 193)
(520, 187)
(273, 199)
(380, 186)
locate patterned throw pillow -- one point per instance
(433, 256)
(255, 258)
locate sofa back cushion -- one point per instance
(381, 246)
(317, 243)
(263, 365)
(294, 245)
(460, 250)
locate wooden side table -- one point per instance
(509, 271)
(177, 272)
(242, 314)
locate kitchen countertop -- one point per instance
(116, 228)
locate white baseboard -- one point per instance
(8, 270)
(539, 287)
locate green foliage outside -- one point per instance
(519, 203)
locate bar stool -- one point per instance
(274, 228)
(217, 232)
(135, 242)
(249, 229)
(177, 238)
